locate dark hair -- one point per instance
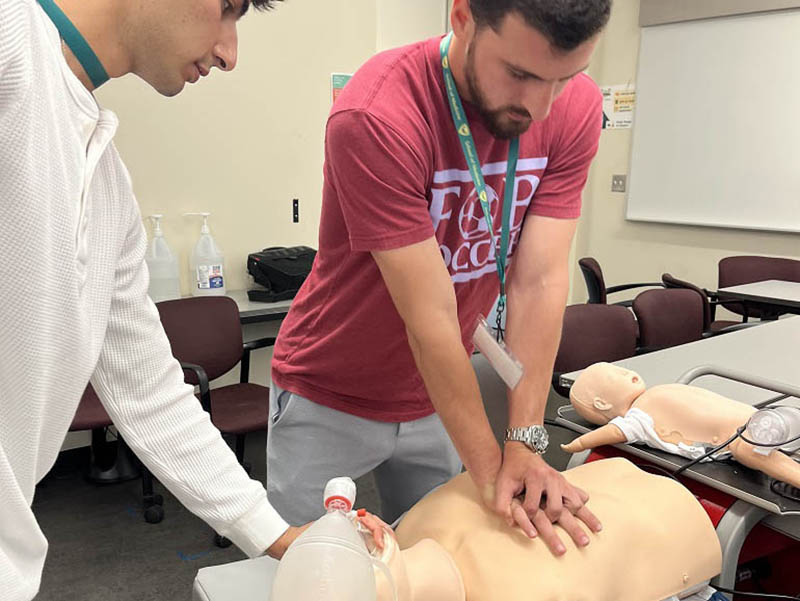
(565, 23)
(263, 4)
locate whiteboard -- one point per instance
(716, 137)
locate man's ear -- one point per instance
(600, 404)
(461, 19)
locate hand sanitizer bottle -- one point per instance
(162, 265)
(207, 264)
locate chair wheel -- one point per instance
(153, 514)
(222, 542)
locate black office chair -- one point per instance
(596, 285)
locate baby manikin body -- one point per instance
(680, 419)
(657, 541)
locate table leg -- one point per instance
(732, 531)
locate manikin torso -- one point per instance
(690, 414)
(656, 541)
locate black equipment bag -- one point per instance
(280, 270)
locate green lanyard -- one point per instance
(471, 155)
(76, 42)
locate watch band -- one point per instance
(534, 437)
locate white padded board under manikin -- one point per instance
(716, 137)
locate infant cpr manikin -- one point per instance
(680, 419)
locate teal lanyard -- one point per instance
(76, 42)
(474, 164)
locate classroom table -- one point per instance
(246, 580)
(255, 312)
(773, 293)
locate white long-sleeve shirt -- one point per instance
(74, 306)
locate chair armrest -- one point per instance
(621, 287)
(257, 344)
(626, 303)
(247, 348)
(715, 302)
(643, 350)
(202, 381)
(733, 328)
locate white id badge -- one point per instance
(497, 354)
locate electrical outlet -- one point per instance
(619, 183)
(295, 210)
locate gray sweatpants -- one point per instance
(308, 444)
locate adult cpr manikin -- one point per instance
(682, 419)
(657, 541)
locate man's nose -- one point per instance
(539, 99)
(226, 50)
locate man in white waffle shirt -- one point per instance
(73, 302)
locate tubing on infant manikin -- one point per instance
(657, 541)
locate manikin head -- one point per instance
(518, 55)
(423, 572)
(604, 391)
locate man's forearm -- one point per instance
(535, 315)
(453, 388)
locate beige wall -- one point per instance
(243, 144)
(404, 21)
(630, 251)
(654, 12)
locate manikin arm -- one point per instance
(776, 464)
(606, 435)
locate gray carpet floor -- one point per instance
(101, 549)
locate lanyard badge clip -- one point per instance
(497, 354)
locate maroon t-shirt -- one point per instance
(395, 175)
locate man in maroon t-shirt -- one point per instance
(371, 369)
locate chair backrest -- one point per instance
(90, 413)
(746, 269)
(668, 317)
(593, 333)
(204, 330)
(671, 281)
(595, 283)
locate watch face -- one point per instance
(539, 438)
(534, 437)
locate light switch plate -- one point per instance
(619, 183)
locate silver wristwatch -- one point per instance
(533, 437)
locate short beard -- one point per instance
(493, 119)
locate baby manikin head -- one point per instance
(604, 391)
(424, 572)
